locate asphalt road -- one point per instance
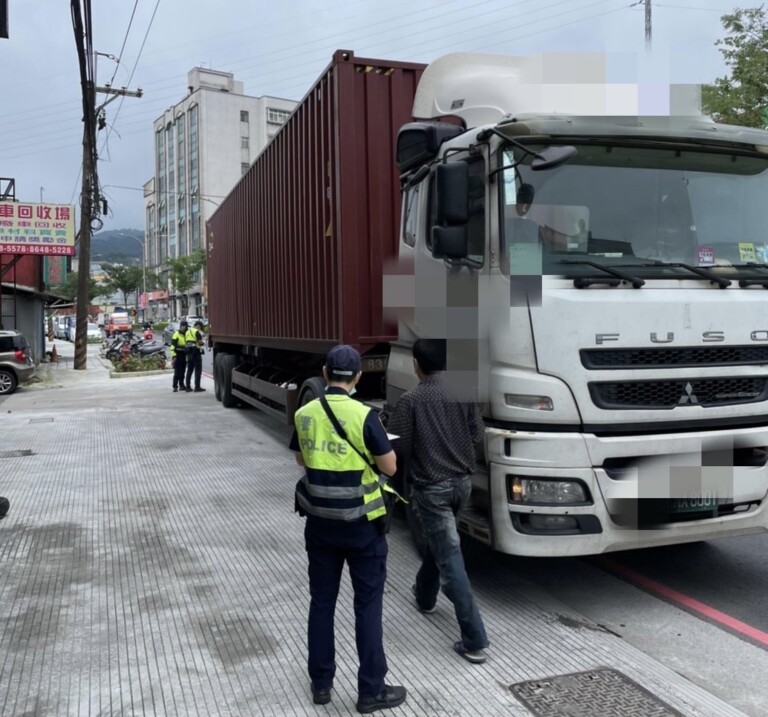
(728, 575)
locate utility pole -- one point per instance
(82, 39)
(90, 200)
(648, 25)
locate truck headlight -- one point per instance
(547, 491)
(532, 403)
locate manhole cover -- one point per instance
(597, 693)
(16, 454)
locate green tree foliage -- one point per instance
(182, 274)
(156, 281)
(125, 279)
(742, 97)
(69, 289)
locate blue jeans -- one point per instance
(437, 506)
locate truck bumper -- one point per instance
(642, 491)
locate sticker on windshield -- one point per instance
(705, 256)
(747, 251)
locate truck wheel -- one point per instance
(217, 377)
(8, 382)
(226, 366)
(311, 389)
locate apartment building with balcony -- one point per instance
(202, 146)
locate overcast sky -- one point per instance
(278, 49)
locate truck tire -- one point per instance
(311, 389)
(227, 364)
(217, 377)
(8, 382)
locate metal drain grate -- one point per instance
(41, 420)
(16, 454)
(597, 693)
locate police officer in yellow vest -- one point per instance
(194, 337)
(179, 355)
(342, 499)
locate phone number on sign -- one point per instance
(36, 249)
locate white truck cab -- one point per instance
(601, 281)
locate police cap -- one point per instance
(343, 362)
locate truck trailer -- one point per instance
(600, 279)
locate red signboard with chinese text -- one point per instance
(37, 229)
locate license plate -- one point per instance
(695, 504)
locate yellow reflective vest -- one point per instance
(194, 338)
(338, 483)
(178, 340)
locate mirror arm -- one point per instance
(482, 136)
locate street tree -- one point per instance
(125, 279)
(156, 281)
(741, 98)
(68, 290)
(182, 275)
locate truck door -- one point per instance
(443, 292)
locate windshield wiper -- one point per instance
(582, 282)
(761, 281)
(721, 281)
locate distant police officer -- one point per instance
(179, 355)
(342, 499)
(194, 338)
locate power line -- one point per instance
(142, 113)
(125, 39)
(689, 7)
(135, 65)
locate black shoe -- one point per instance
(175, 389)
(390, 696)
(322, 696)
(188, 389)
(198, 389)
(5, 506)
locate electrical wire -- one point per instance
(320, 56)
(140, 124)
(125, 39)
(135, 65)
(270, 57)
(688, 7)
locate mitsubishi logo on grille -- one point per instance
(689, 397)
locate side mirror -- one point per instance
(450, 242)
(452, 193)
(551, 157)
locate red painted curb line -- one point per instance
(690, 603)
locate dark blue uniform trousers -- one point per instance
(329, 544)
(179, 365)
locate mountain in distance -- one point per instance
(117, 246)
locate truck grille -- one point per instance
(674, 357)
(679, 392)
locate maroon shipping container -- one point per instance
(296, 251)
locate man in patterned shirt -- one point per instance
(437, 440)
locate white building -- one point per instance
(203, 145)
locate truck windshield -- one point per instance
(636, 205)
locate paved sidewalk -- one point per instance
(152, 565)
